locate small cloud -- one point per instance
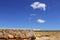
(33, 14)
(41, 21)
(38, 5)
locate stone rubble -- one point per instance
(18, 34)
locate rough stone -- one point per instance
(14, 33)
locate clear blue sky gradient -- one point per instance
(16, 14)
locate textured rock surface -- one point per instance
(11, 34)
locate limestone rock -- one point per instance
(13, 33)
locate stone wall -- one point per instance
(16, 34)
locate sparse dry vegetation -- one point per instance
(47, 35)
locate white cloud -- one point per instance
(41, 21)
(33, 14)
(38, 5)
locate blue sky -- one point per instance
(20, 14)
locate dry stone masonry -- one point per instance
(16, 34)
